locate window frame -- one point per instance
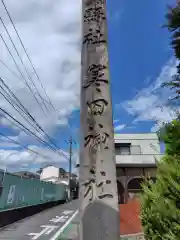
(123, 145)
(129, 145)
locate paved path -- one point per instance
(42, 226)
(72, 231)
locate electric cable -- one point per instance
(29, 77)
(12, 22)
(18, 143)
(24, 110)
(21, 72)
(24, 66)
(41, 140)
(15, 74)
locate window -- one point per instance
(123, 149)
(127, 149)
(135, 150)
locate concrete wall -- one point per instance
(149, 149)
(50, 179)
(147, 143)
(49, 172)
(137, 159)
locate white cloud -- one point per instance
(119, 127)
(152, 103)
(115, 121)
(18, 159)
(51, 33)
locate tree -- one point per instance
(160, 211)
(173, 18)
(160, 202)
(99, 208)
(170, 135)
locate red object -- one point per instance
(130, 222)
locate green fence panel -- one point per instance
(60, 191)
(20, 192)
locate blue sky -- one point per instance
(140, 59)
(138, 50)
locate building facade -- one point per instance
(136, 156)
(50, 173)
(57, 175)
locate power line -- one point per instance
(21, 72)
(18, 143)
(22, 62)
(15, 74)
(27, 113)
(24, 110)
(16, 100)
(16, 125)
(41, 140)
(10, 70)
(24, 66)
(19, 102)
(9, 115)
(27, 53)
(9, 99)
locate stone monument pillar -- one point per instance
(99, 208)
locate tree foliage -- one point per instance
(160, 202)
(170, 135)
(173, 24)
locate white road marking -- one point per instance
(58, 219)
(66, 212)
(64, 226)
(47, 230)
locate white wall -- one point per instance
(50, 179)
(149, 146)
(49, 172)
(137, 159)
(149, 142)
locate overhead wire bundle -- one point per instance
(13, 100)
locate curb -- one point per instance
(64, 228)
(137, 236)
(70, 232)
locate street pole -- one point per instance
(99, 210)
(70, 165)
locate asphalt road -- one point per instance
(42, 226)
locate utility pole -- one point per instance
(70, 165)
(99, 210)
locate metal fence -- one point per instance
(17, 192)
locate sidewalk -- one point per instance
(72, 230)
(71, 233)
(41, 226)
